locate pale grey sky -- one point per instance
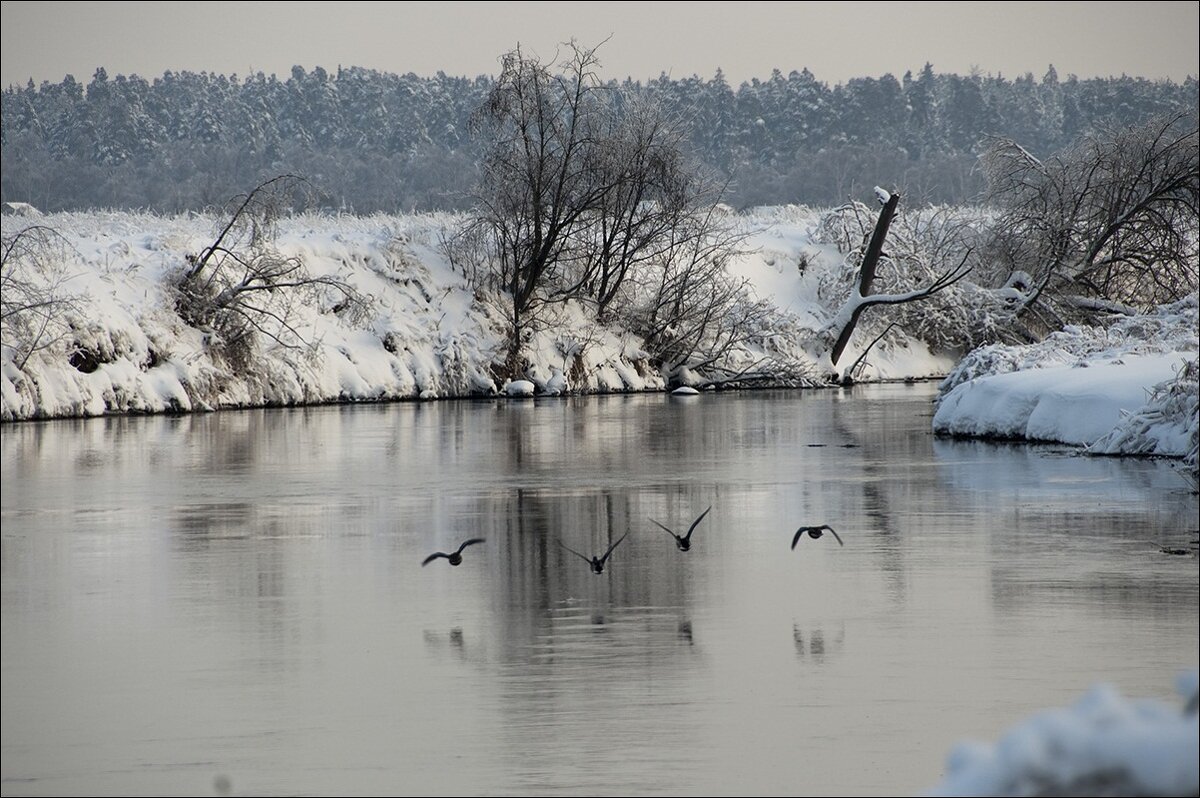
(837, 41)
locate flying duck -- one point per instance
(597, 563)
(684, 543)
(454, 557)
(815, 533)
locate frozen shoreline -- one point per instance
(426, 334)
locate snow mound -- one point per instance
(1068, 404)
(519, 388)
(557, 384)
(1127, 389)
(1104, 745)
(1171, 328)
(20, 209)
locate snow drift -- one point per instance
(1126, 389)
(1104, 745)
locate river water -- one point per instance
(235, 602)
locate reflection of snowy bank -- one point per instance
(1035, 476)
(1130, 389)
(1104, 745)
(1069, 515)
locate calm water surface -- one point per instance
(236, 599)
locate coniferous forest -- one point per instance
(374, 141)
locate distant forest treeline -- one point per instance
(375, 141)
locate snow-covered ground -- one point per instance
(1105, 744)
(426, 333)
(1127, 389)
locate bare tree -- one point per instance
(649, 208)
(1108, 225)
(587, 195)
(240, 286)
(537, 177)
(35, 301)
(694, 315)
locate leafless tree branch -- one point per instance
(1113, 220)
(240, 288)
(35, 302)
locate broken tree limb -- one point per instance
(866, 272)
(847, 318)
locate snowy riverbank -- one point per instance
(121, 346)
(1127, 389)
(425, 333)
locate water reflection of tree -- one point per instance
(243, 574)
(876, 447)
(813, 643)
(239, 581)
(540, 577)
(586, 645)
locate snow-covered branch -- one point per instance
(1115, 219)
(215, 290)
(35, 304)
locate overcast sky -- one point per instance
(837, 41)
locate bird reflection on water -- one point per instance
(814, 644)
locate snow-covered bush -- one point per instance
(1112, 221)
(37, 305)
(847, 228)
(1171, 414)
(240, 288)
(923, 246)
(958, 319)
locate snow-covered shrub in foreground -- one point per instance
(1104, 745)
